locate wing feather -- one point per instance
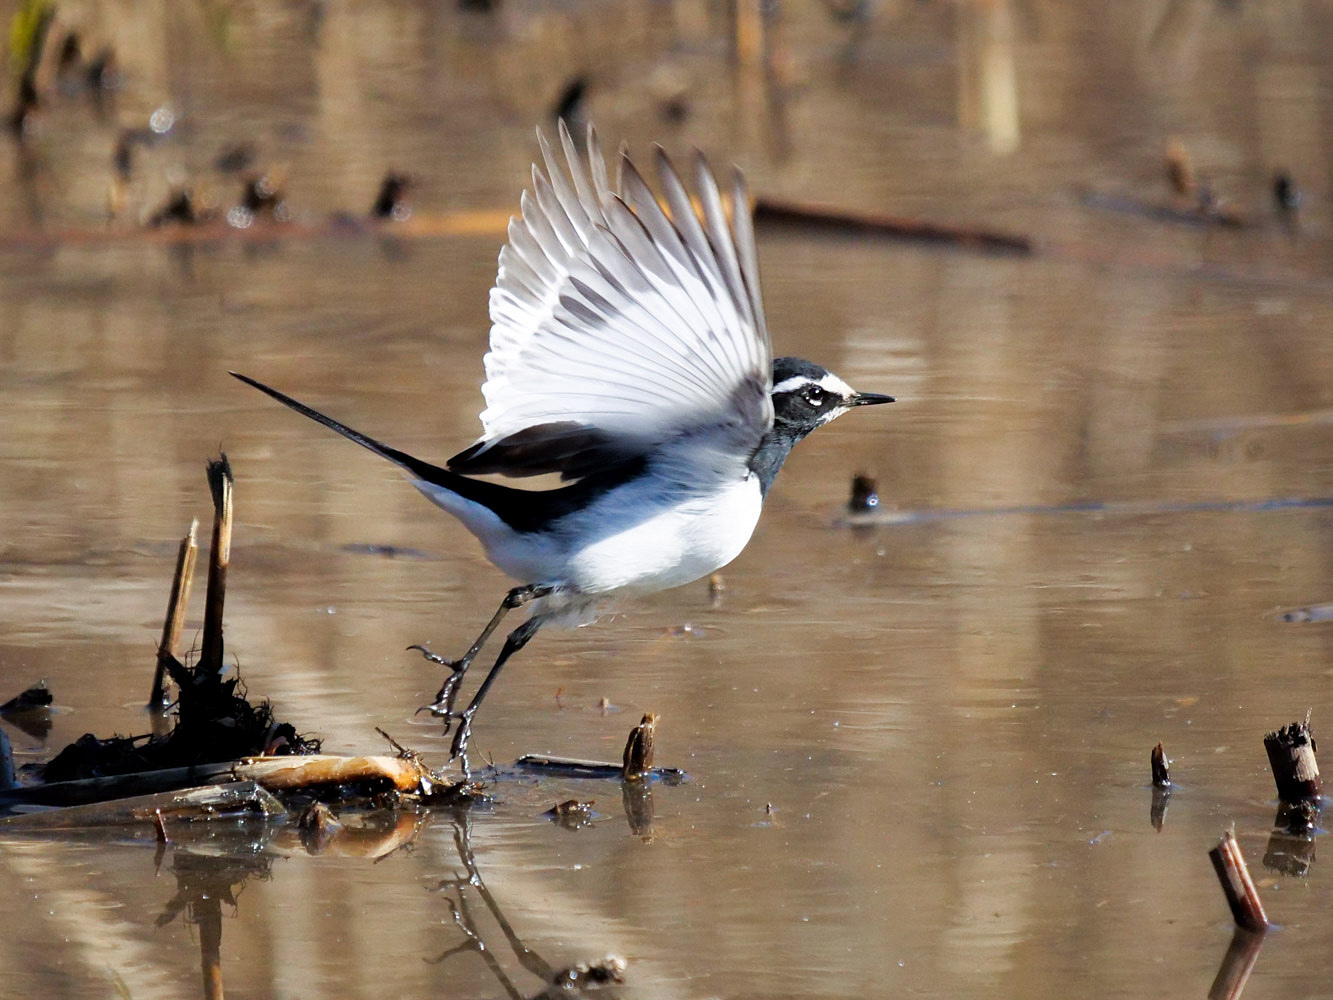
(618, 327)
(742, 223)
(720, 236)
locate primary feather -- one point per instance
(616, 327)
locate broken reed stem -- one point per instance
(1291, 755)
(219, 557)
(1237, 886)
(1161, 774)
(638, 756)
(174, 624)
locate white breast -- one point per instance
(642, 537)
(664, 545)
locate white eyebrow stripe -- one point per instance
(790, 384)
(829, 382)
(837, 386)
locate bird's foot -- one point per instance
(434, 657)
(443, 705)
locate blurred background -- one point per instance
(917, 740)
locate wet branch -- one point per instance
(1237, 886)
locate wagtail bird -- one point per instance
(628, 354)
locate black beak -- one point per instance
(870, 399)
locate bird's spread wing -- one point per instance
(617, 327)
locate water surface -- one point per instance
(918, 748)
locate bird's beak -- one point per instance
(870, 399)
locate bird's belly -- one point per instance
(671, 547)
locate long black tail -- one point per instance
(516, 508)
(422, 470)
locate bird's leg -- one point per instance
(448, 693)
(516, 641)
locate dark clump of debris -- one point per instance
(212, 751)
(217, 723)
(215, 720)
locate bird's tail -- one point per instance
(422, 470)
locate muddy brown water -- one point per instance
(918, 749)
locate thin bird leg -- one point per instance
(516, 641)
(448, 693)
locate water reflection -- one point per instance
(204, 883)
(214, 862)
(458, 893)
(1237, 964)
(1291, 845)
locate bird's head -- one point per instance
(806, 396)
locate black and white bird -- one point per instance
(628, 354)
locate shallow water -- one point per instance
(917, 747)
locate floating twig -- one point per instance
(229, 798)
(828, 219)
(175, 620)
(1237, 886)
(575, 767)
(636, 762)
(308, 772)
(1291, 755)
(1206, 213)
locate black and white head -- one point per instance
(807, 396)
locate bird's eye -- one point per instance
(815, 395)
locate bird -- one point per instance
(629, 355)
